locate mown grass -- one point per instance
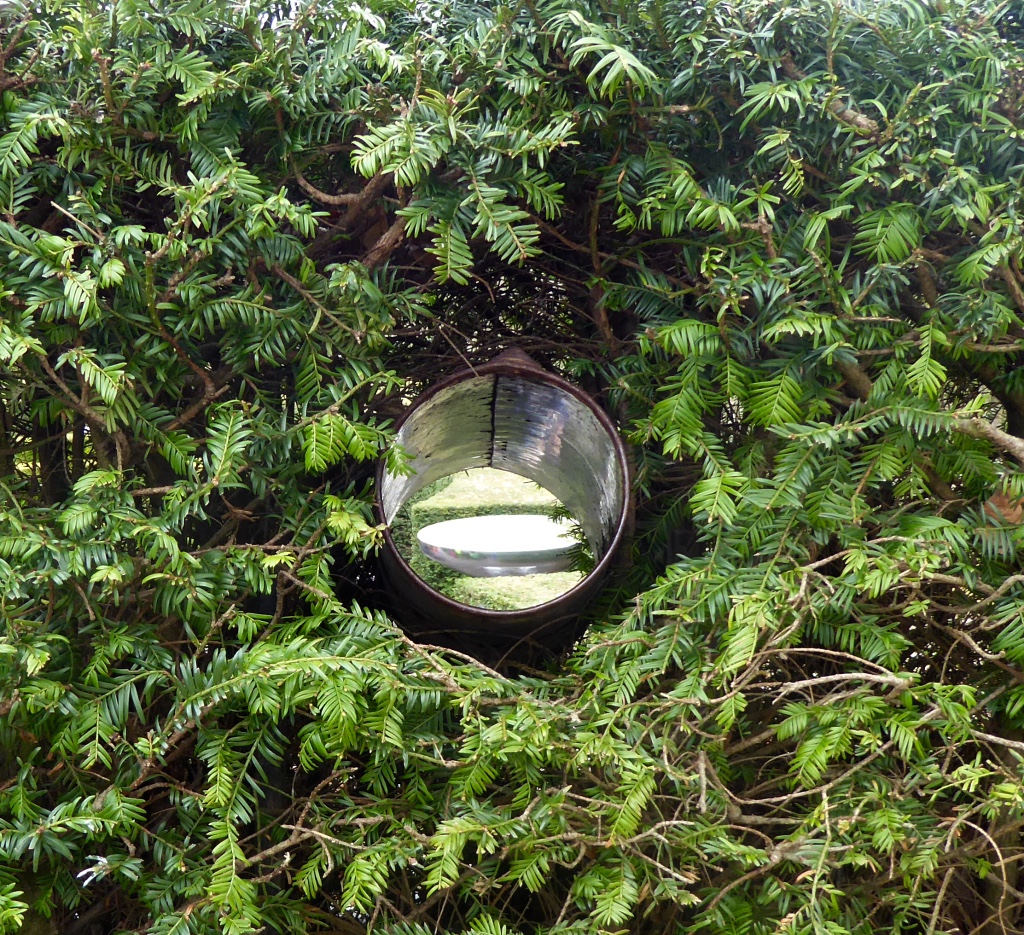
(480, 492)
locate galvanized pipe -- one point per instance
(512, 415)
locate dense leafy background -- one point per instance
(781, 240)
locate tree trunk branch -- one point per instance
(979, 428)
(390, 240)
(846, 114)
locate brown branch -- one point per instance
(198, 406)
(993, 378)
(967, 640)
(152, 491)
(10, 82)
(389, 241)
(980, 428)
(186, 359)
(817, 173)
(558, 235)
(1013, 285)
(592, 231)
(672, 109)
(8, 703)
(1001, 741)
(149, 765)
(170, 291)
(6, 52)
(370, 193)
(994, 348)
(357, 207)
(764, 228)
(856, 378)
(31, 446)
(79, 405)
(786, 688)
(180, 225)
(96, 421)
(939, 487)
(100, 238)
(113, 111)
(843, 112)
(991, 594)
(774, 857)
(929, 289)
(609, 257)
(308, 296)
(344, 198)
(596, 296)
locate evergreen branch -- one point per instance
(856, 378)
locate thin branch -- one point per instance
(786, 688)
(100, 238)
(980, 428)
(1000, 741)
(344, 198)
(152, 491)
(1013, 285)
(997, 593)
(846, 114)
(198, 406)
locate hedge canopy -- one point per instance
(781, 241)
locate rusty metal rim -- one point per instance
(514, 364)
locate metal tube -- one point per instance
(512, 415)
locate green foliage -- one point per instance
(780, 241)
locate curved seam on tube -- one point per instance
(494, 417)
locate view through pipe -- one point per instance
(512, 415)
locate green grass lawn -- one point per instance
(513, 592)
(480, 492)
(483, 489)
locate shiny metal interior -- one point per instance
(525, 424)
(515, 416)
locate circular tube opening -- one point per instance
(513, 416)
